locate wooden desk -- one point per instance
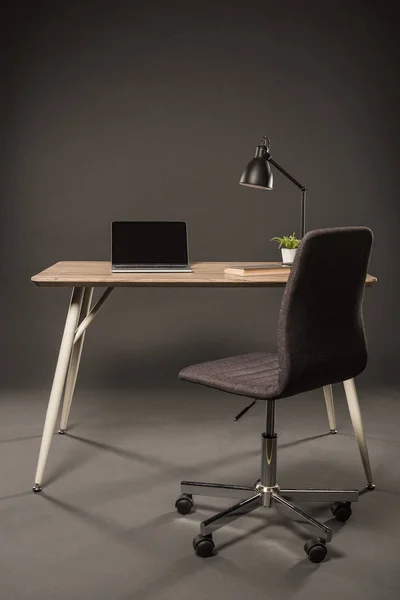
(82, 277)
(205, 274)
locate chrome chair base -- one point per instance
(252, 498)
(267, 494)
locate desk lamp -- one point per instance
(258, 174)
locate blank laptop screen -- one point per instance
(149, 243)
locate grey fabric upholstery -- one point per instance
(321, 338)
(254, 374)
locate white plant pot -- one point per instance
(288, 255)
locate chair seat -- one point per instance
(254, 375)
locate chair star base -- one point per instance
(266, 493)
(256, 497)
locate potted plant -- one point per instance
(288, 245)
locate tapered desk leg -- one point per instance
(58, 383)
(356, 419)
(74, 362)
(330, 408)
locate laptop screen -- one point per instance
(149, 243)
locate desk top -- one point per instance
(205, 274)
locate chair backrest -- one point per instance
(321, 338)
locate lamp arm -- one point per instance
(303, 194)
(282, 170)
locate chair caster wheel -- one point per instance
(341, 511)
(203, 545)
(61, 431)
(316, 550)
(37, 488)
(184, 504)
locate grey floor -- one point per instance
(105, 525)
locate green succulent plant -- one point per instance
(287, 241)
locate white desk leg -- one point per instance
(356, 419)
(58, 383)
(330, 408)
(74, 363)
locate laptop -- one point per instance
(149, 247)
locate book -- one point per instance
(254, 270)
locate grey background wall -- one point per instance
(131, 110)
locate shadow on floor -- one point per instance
(20, 439)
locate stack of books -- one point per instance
(257, 270)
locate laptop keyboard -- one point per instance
(151, 266)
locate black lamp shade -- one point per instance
(258, 174)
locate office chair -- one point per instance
(321, 341)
